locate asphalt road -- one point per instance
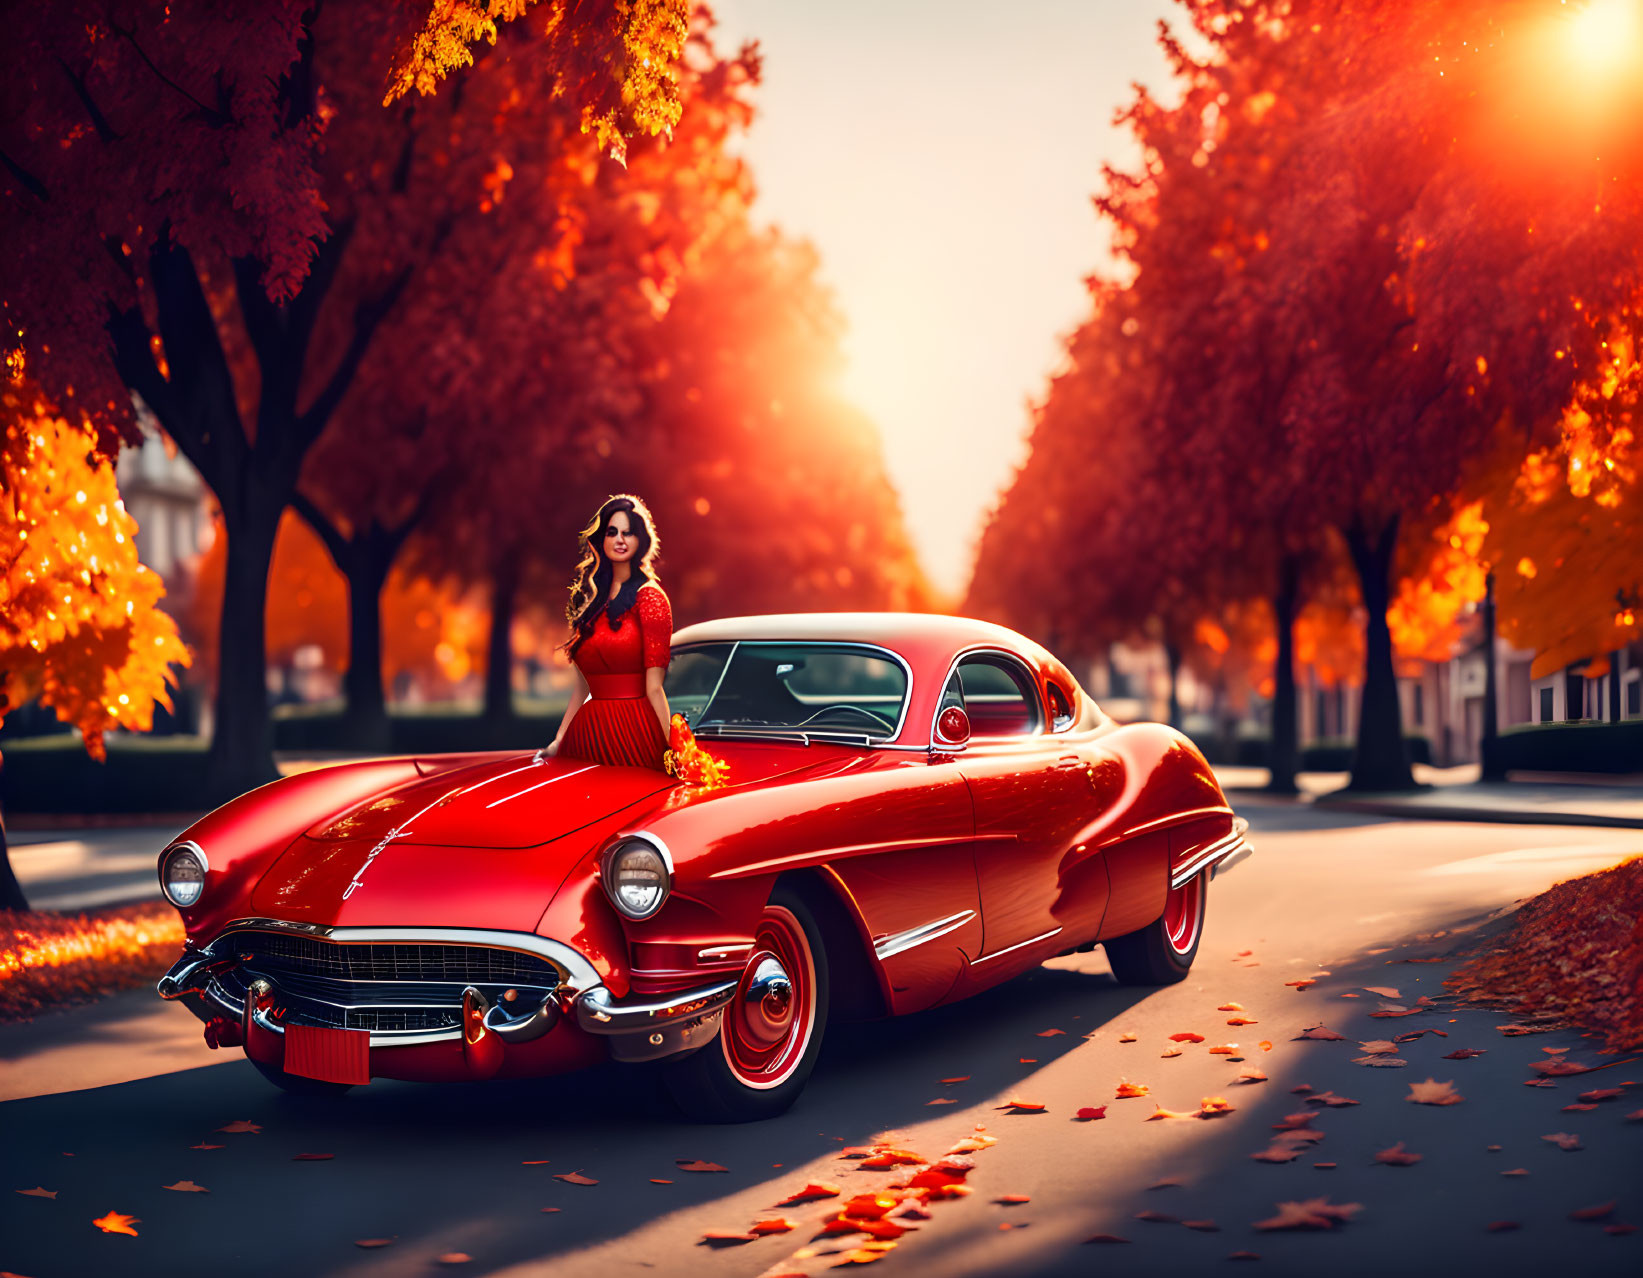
(107, 1104)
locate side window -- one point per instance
(1061, 710)
(999, 697)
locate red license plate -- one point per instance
(332, 1055)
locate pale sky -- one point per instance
(941, 155)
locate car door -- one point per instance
(1033, 798)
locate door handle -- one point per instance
(1069, 763)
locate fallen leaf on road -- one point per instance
(1168, 1052)
(1012, 1200)
(1538, 1082)
(1306, 983)
(772, 1225)
(1464, 1053)
(1202, 1226)
(1380, 1047)
(1230, 1007)
(548, 1211)
(1224, 1049)
(886, 1158)
(1577, 1109)
(816, 1189)
(1593, 1213)
(1251, 1076)
(1636, 1116)
(1397, 1156)
(1169, 1182)
(1602, 1093)
(1554, 1051)
(1105, 1238)
(1278, 1152)
(1557, 1067)
(187, 1187)
(971, 1144)
(698, 1165)
(1296, 1122)
(1128, 1036)
(1243, 1255)
(1314, 1213)
(38, 1192)
(657, 1181)
(1265, 1045)
(1214, 1107)
(1619, 1229)
(311, 1158)
(1029, 1060)
(1382, 1062)
(942, 1100)
(115, 1223)
(1514, 1031)
(1157, 1217)
(1385, 991)
(1432, 1092)
(1330, 1099)
(1049, 1033)
(1018, 1106)
(1564, 1140)
(205, 1147)
(1128, 1091)
(1321, 1033)
(455, 1258)
(1161, 1112)
(726, 1238)
(949, 1082)
(576, 1178)
(1412, 1035)
(1516, 1171)
(1090, 1113)
(865, 1255)
(534, 1162)
(1326, 1166)
(1300, 1089)
(375, 1242)
(1186, 1037)
(1242, 1020)
(1493, 1149)
(240, 1125)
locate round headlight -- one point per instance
(182, 875)
(636, 878)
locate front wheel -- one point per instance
(771, 1030)
(1162, 952)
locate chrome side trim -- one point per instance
(1019, 945)
(901, 942)
(720, 953)
(598, 1013)
(1220, 854)
(578, 971)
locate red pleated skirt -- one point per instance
(615, 730)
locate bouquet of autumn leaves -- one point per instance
(687, 761)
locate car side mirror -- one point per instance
(952, 727)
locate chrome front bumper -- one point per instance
(1218, 857)
(222, 985)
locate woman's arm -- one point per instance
(657, 696)
(578, 695)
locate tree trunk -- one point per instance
(242, 740)
(1489, 747)
(365, 722)
(1614, 686)
(11, 891)
(1284, 750)
(1379, 761)
(1172, 655)
(499, 649)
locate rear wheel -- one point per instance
(771, 1031)
(1162, 952)
(296, 1084)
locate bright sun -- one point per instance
(1607, 35)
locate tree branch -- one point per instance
(336, 544)
(213, 117)
(99, 121)
(367, 319)
(33, 185)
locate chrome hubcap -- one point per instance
(765, 1010)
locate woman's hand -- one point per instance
(547, 752)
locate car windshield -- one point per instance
(814, 688)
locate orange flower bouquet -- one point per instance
(687, 761)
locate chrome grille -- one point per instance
(401, 962)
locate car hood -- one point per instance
(482, 846)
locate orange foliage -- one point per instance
(1426, 615)
(79, 626)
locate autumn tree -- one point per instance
(79, 625)
(211, 208)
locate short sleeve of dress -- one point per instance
(656, 626)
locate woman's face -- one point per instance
(621, 542)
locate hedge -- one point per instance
(1570, 747)
(1327, 755)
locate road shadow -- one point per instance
(448, 1168)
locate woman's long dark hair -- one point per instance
(590, 585)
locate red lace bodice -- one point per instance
(614, 658)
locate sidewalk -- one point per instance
(1456, 794)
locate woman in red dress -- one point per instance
(621, 637)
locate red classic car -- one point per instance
(917, 808)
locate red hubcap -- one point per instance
(768, 1023)
(1184, 915)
